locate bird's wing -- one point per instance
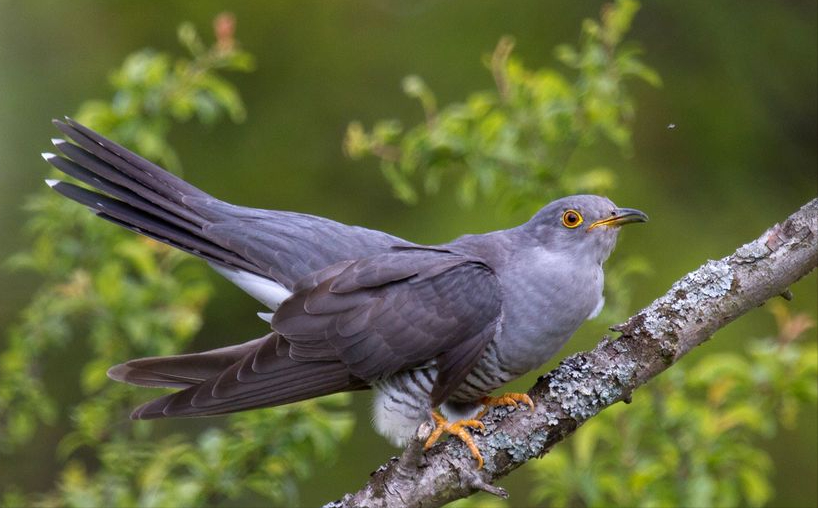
(395, 311)
(345, 327)
(255, 374)
(249, 246)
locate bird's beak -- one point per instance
(621, 216)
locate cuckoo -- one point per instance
(431, 329)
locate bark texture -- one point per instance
(585, 383)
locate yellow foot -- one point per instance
(458, 429)
(508, 399)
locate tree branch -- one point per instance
(694, 308)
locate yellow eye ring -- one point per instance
(571, 219)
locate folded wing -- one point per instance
(344, 328)
(397, 311)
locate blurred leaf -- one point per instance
(517, 143)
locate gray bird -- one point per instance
(425, 327)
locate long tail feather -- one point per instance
(150, 225)
(139, 195)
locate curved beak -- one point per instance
(621, 216)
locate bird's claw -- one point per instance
(458, 429)
(508, 399)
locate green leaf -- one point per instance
(756, 487)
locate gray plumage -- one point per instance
(425, 326)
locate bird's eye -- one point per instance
(571, 219)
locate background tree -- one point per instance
(298, 181)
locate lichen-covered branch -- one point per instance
(585, 383)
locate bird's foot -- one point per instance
(507, 399)
(458, 429)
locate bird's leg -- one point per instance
(458, 429)
(506, 399)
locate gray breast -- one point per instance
(546, 297)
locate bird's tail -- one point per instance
(139, 195)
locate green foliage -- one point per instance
(690, 437)
(517, 142)
(113, 296)
(262, 452)
(153, 89)
(479, 500)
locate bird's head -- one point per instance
(584, 225)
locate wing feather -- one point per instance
(397, 311)
(263, 376)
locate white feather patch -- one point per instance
(594, 313)
(392, 423)
(268, 292)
